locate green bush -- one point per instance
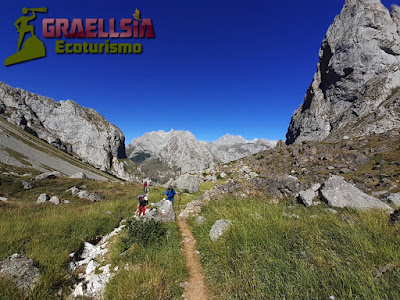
(144, 233)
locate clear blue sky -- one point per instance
(215, 67)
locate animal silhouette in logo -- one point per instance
(32, 47)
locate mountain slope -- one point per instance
(21, 149)
(357, 76)
(65, 125)
(163, 155)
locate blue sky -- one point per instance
(215, 67)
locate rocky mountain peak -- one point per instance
(229, 139)
(164, 155)
(358, 71)
(66, 125)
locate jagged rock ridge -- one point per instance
(355, 89)
(164, 155)
(65, 124)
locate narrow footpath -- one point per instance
(196, 289)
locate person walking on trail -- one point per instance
(142, 205)
(170, 194)
(145, 187)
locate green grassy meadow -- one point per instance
(270, 254)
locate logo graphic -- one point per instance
(136, 15)
(32, 48)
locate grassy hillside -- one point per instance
(47, 233)
(286, 251)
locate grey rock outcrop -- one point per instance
(337, 192)
(394, 199)
(42, 198)
(26, 185)
(65, 125)
(219, 228)
(79, 175)
(355, 90)
(164, 155)
(74, 190)
(163, 211)
(55, 200)
(93, 196)
(188, 182)
(48, 175)
(21, 270)
(306, 197)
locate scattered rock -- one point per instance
(200, 220)
(108, 213)
(74, 190)
(79, 175)
(333, 211)
(188, 182)
(91, 267)
(306, 197)
(66, 202)
(218, 229)
(26, 185)
(55, 200)
(380, 193)
(223, 175)
(3, 199)
(383, 269)
(42, 198)
(394, 199)
(50, 175)
(21, 270)
(83, 194)
(337, 192)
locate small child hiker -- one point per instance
(142, 205)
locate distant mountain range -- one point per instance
(163, 155)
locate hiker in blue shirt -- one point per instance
(170, 194)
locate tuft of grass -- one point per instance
(151, 270)
(267, 254)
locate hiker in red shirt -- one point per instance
(145, 187)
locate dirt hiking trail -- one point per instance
(196, 290)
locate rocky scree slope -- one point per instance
(371, 163)
(355, 89)
(66, 125)
(164, 155)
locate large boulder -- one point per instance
(48, 175)
(42, 198)
(163, 211)
(188, 182)
(55, 200)
(337, 192)
(21, 270)
(219, 228)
